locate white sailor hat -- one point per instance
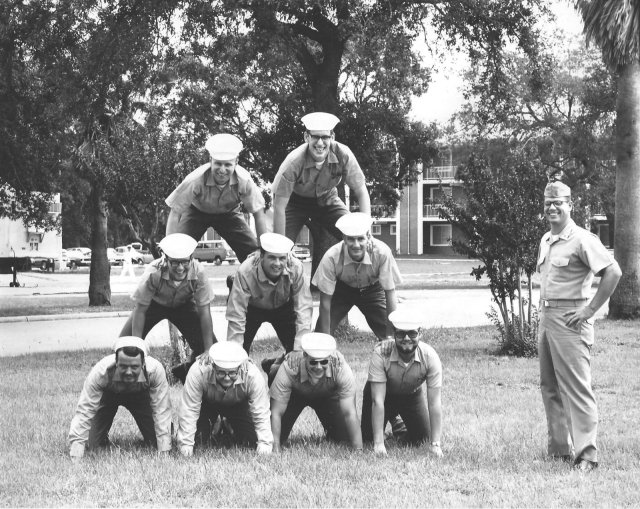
(178, 245)
(320, 121)
(557, 190)
(318, 345)
(404, 319)
(131, 341)
(223, 147)
(275, 243)
(354, 224)
(227, 354)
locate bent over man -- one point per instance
(211, 196)
(128, 378)
(568, 258)
(359, 271)
(405, 378)
(319, 377)
(229, 385)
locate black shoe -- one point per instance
(180, 371)
(585, 465)
(267, 363)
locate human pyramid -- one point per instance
(225, 394)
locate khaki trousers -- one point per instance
(565, 382)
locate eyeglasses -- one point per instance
(555, 203)
(316, 139)
(174, 263)
(221, 373)
(314, 362)
(400, 334)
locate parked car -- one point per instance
(302, 253)
(215, 251)
(114, 257)
(44, 261)
(136, 256)
(78, 257)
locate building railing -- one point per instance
(440, 173)
(431, 210)
(383, 211)
(55, 207)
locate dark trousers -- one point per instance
(138, 403)
(283, 320)
(184, 317)
(370, 301)
(231, 226)
(328, 411)
(411, 407)
(243, 430)
(301, 209)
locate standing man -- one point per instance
(359, 271)
(128, 378)
(127, 265)
(270, 287)
(176, 288)
(211, 196)
(319, 377)
(228, 385)
(568, 258)
(304, 188)
(402, 372)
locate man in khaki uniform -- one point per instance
(568, 258)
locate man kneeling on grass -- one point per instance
(128, 378)
(398, 371)
(227, 384)
(319, 377)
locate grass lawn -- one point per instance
(494, 441)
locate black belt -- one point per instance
(563, 303)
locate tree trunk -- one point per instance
(625, 301)
(99, 283)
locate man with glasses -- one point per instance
(211, 196)
(176, 288)
(226, 384)
(318, 377)
(568, 258)
(405, 378)
(130, 378)
(359, 271)
(304, 189)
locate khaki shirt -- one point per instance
(378, 264)
(155, 284)
(201, 385)
(104, 377)
(200, 190)
(338, 382)
(298, 174)
(568, 261)
(386, 366)
(252, 287)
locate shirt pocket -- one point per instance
(560, 261)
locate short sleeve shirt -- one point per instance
(156, 285)
(404, 378)
(298, 173)
(199, 189)
(378, 264)
(338, 382)
(568, 261)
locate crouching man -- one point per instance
(319, 377)
(229, 385)
(128, 378)
(402, 372)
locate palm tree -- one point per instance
(614, 25)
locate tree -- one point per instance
(614, 25)
(502, 222)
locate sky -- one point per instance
(444, 96)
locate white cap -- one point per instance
(403, 319)
(557, 190)
(131, 341)
(223, 147)
(320, 121)
(178, 245)
(318, 345)
(354, 224)
(275, 243)
(227, 354)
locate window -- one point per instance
(376, 229)
(393, 229)
(441, 235)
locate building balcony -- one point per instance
(431, 211)
(440, 173)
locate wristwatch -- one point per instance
(435, 444)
